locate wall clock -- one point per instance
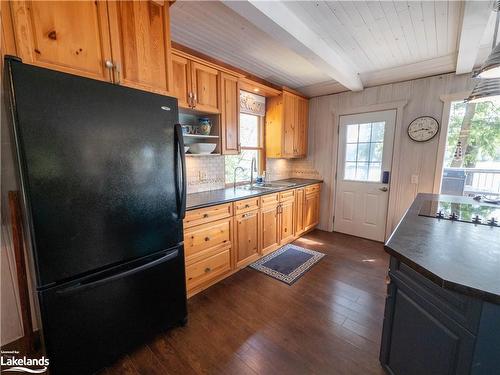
(423, 129)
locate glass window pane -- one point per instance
(362, 171)
(352, 133)
(365, 132)
(376, 150)
(249, 130)
(374, 172)
(350, 152)
(378, 129)
(243, 160)
(350, 171)
(363, 151)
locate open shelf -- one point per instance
(212, 154)
(200, 136)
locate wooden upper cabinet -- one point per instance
(286, 126)
(230, 111)
(140, 41)
(205, 87)
(181, 82)
(69, 36)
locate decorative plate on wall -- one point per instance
(423, 129)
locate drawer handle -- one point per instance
(205, 216)
(208, 269)
(207, 238)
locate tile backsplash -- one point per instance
(207, 172)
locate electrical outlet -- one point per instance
(202, 175)
(414, 179)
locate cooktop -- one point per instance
(464, 212)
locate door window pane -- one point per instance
(351, 152)
(352, 133)
(364, 151)
(365, 131)
(350, 171)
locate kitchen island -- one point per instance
(442, 313)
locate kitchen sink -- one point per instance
(268, 186)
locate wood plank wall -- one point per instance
(423, 99)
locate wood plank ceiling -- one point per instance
(383, 41)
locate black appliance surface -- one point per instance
(103, 179)
(465, 212)
(109, 314)
(99, 171)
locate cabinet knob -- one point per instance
(207, 238)
(205, 216)
(247, 205)
(208, 269)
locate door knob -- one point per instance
(383, 189)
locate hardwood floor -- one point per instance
(328, 322)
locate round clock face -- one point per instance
(423, 129)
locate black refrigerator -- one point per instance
(102, 174)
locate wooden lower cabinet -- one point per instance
(287, 213)
(219, 240)
(311, 210)
(270, 230)
(246, 238)
(299, 212)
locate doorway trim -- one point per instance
(393, 191)
(443, 135)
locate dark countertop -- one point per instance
(455, 255)
(214, 197)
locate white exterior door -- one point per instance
(363, 173)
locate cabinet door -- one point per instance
(230, 100)
(299, 211)
(290, 103)
(181, 81)
(205, 86)
(301, 128)
(418, 338)
(286, 222)
(269, 223)
(140, 40)
(69, 36)
(311, 211)
(247, 238)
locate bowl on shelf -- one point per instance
(202, 148)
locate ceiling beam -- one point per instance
(474, 21)
(277, 20)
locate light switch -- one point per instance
(414, 178)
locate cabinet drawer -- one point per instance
(287, 196)
(203, 237)
(207, 269)
(207, 214)
(246, 205)
(269, 199)
(313, 188)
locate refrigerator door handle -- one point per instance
(180, 174)
(94, 283)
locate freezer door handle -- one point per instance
(180, 173)
(92, 283)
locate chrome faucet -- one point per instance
(253, 168)
(234, 176)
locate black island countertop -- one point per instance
(459, 256)
(219, 196)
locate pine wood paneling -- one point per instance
(246, 238)
(423, 99)
(270, 232)
(140, 38)
(230, 116)
(205, 84)
(70, 36)
(181, 81)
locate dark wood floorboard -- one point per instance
(328, 322)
